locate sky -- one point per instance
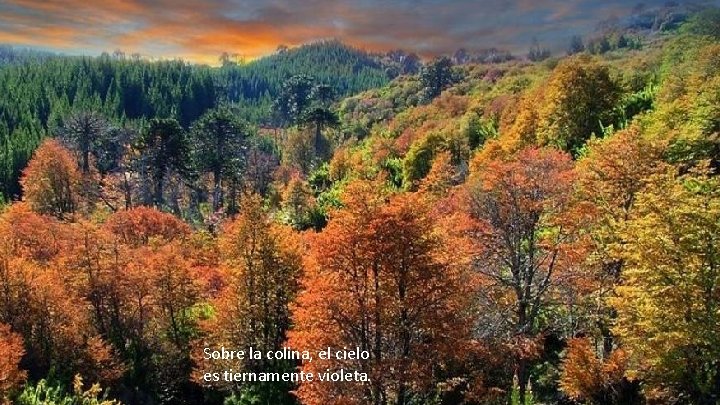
(200, 30)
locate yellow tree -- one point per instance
(668, 300)
(610, 176)
(579, 97)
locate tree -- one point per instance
(585, 377)
(322, 95)
(84, 131)
(294, 98)
(11, 352)
(436, 77)
(39, 304)
(141, 225)
(611, 174)
(161, 299)
(536, 53)
(667, 301)
(576, 45)
(322, 118)
(219, 145)
(261, 263)
(529, 242)
(378, 278)
(141, 288)
(579, 97)
(164, 147)
(51, 181)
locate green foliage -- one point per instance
(706, 23)
(294, 98)
(394, 168)
(256, 84)
(163, 146)
(45, 393)
(419, 158)
(46, 89)
(436, 77)
(478, 130)
(262, 393)
(319, 179)
(515, 397)
(218, 145)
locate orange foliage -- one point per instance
(585, 377)
(440, 178)
(11, 352)
(261, 265)
(26, 234)
(137, 226)
(378, 278)
(51, 181)
(531, 243)
(41, 306)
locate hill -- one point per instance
(41, 90)
(517, 232)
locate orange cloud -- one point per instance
(200, 30)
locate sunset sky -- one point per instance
(201, 30)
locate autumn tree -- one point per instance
(11, 352)
(51, 181)
(611, 174)
(586, 377)
(261, 263)
(161, 294)
(138, 226)
(136, 275)
(39, 304)
(529, 244)
(667, 301)
(579, 97)
(39, 300)
(378, 278)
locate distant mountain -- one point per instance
(11, 55)
(348, 70)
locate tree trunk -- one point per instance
(318, 137)
(158, 194)
(217, 191)
(377, 343)
(523, 379)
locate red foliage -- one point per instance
(139, 225)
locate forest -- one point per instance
(490, 228)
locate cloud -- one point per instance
(202, 29)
